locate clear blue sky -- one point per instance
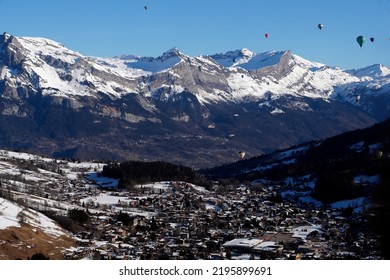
(107, 28)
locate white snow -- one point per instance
(8, 214)
(106, 199)
(12, 215)
(277, 111)
(164, 186)
(37, 45)
(233, 58)
(243, 85)
(243, 243)
(120, 67)
(376, 70)
(311, 79)
(258, 61)
(38, 49)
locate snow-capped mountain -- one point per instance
(144, 107)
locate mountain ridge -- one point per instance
(143, 107)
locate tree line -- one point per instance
(131, 173)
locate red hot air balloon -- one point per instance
(266, 35)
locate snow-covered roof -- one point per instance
(244, 243)
(303, 231)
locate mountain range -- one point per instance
(198, 111)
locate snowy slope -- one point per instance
(261, 60)
(35, 181)
(297, 77)
(12, 215)
(49, 67)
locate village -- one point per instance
(177, 220)
(181, 221)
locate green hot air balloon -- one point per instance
(360, 40)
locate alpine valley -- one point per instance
(197, 111)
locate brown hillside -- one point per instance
(23, 242)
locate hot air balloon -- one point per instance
(372, 39)
(242, 154)
(146, 7)
(266, 35)
(360, 39)
(320, 26)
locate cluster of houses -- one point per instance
(180, 221)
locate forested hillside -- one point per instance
(131, 173)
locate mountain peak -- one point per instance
(4, 37)
(247, 53)
(127, 57)
(233, 58)
(173, 50)
(170, 54)
(376, 70)
(155, 64)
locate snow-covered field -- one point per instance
(12, 215)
